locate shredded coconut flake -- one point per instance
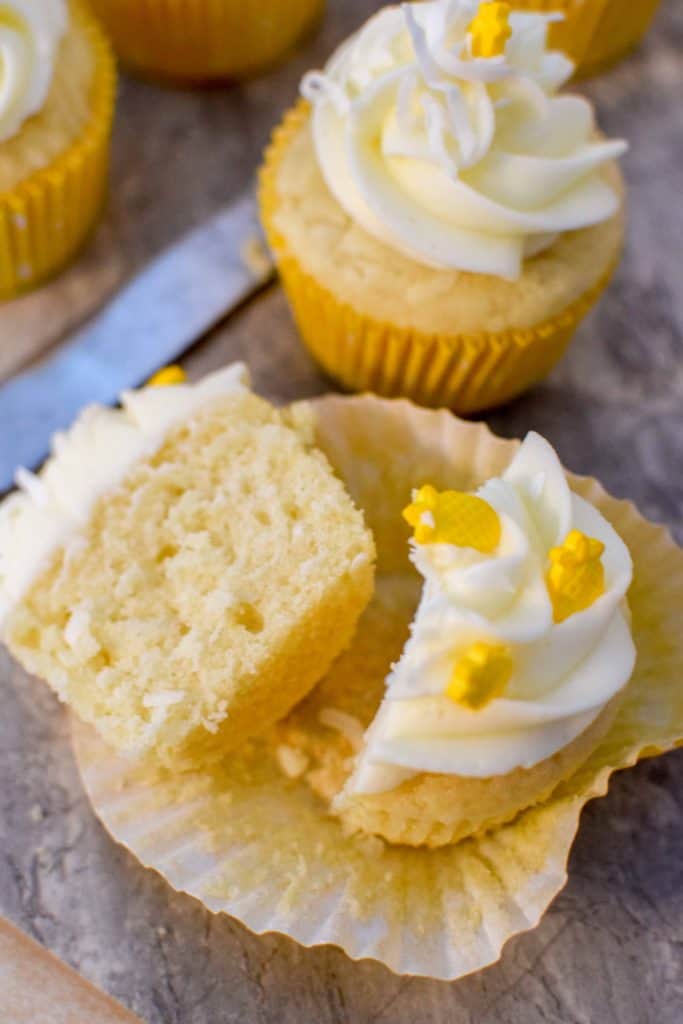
(163, 699)
(293, 763)
(349, 726)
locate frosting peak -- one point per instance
(517, 647)
(437, 127)
(30, 33)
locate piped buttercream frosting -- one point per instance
(508, 661)
(30, 34)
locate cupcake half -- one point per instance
(56, 109)
(518, 653)
(200, 40)
(184, 569)
(442, 216)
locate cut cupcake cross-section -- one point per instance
(185, 568)
(518, 652)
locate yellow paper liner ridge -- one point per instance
(248, 841)
(46, 217)
(595, 33)
(200, 40)
(464, 372)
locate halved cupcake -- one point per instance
(56, 109)
(184, 569)
(443, 217)
(518, 654)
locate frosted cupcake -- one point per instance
(443, 218)
(199, 40)
(595, 33)
(56, 106)
(518, 654)
(184, 569)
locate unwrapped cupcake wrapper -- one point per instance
(464, 372)
(247, 840)
(595, 33)
(45, 219)
(204, 39)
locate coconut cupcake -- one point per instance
(441, 216)
(518, 653)
(595, 33)
(56, 109)
(200, 40)
(184, 569)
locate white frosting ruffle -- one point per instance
(30, 33)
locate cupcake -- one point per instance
(595, 33)
(442, 218)
(56, 108)
(518, 653)
(279, 834)
(183, 569)
(200, 40)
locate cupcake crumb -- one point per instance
(256, 257)
(293, 763)
(349, 726)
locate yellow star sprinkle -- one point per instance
(491, 29)
(480, 675)
(166, 377)
(576, 577)
(453, 517)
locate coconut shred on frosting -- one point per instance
(439, 130)
(30, 34)
(50, 509)
(522, 635)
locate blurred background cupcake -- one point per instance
(595, 33)
(57, 84)
(200, 40)
(442, 218)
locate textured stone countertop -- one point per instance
(610, 949)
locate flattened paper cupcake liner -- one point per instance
(249, 841)
(45, 219)
(204, 39)
(464, 372)
(595, 33)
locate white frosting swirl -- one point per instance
(30, 33)
(459, 162)
(564, 672)
(91, 458)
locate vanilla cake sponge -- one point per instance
(203, 567)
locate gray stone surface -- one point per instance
(610, 950)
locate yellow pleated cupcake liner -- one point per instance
(45, 219)
(595, 33)
(248, 841)
(204, 39)
(464, 372)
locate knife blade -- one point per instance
(167, 307)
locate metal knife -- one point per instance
(175, 299)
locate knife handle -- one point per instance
(36, 987)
